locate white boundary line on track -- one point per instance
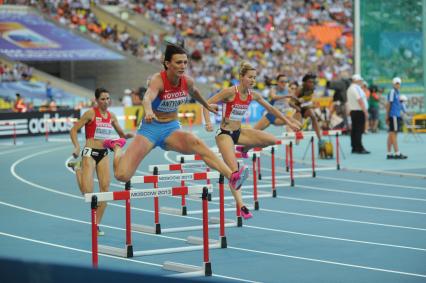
(275, 230)
(20, 149)
(236, 248)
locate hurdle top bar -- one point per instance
(178, 166)
(301, 134)
(174, 177)
(146, 193)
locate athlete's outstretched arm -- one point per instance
(221, 96)
(154, 88)
(271, 109)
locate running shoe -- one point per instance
(400, 156)
(238, 178)
(100, 232)
(245, 213)
(111, 143)
(75, 164)
(390, 156)
(240, 149)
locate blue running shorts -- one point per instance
(157, 132)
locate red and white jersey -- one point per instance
(172, 96)
(236, 109)
(100, 128)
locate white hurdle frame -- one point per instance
(126, 195)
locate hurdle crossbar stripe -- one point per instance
(197, 157)
(175, 177)
(145, 193)
(301, 135)
(177, 166)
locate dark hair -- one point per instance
(100, 90)
(309, 76)
(171, 50)
(280, 76)
(294, 83)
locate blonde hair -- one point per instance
(245, 67)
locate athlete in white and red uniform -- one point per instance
(99, 125)
(160, 127)
(236, 101)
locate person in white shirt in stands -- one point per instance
(127, 99)
(357, 106)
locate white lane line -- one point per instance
(352, 205)
(166, 156)
(256, 227)
(333, 262)
(372, 183)
(344, 220)
(230, 247)
(282, 170)
(21, 149)
(358, 193)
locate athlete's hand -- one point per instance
(149, 116)
(129, 135)
(209, 127)
(213, 108)
(76, 152)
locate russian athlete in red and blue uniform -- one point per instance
(166, 101)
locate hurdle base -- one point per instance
(338, 166)
(129, 250)
(114, 251)
(274, 193)
(147, 229)
(256, 205)
(192, 240)
(260, 177)
(239, 221)
(292, 182)
(314, 174)
(184, 210)
(223, 242)
(209, 197)
(188, 270)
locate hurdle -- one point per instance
(9, 128)
(197, 157)
(220, 222)
(13, 128)
(311, 135)
(126, 195)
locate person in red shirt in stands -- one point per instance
(19, 105)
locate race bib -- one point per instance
(237, 113)
(104, 131)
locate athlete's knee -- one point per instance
(121, 175)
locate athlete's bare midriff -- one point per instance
(230, 125)
(94, 143)
(164, 117)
